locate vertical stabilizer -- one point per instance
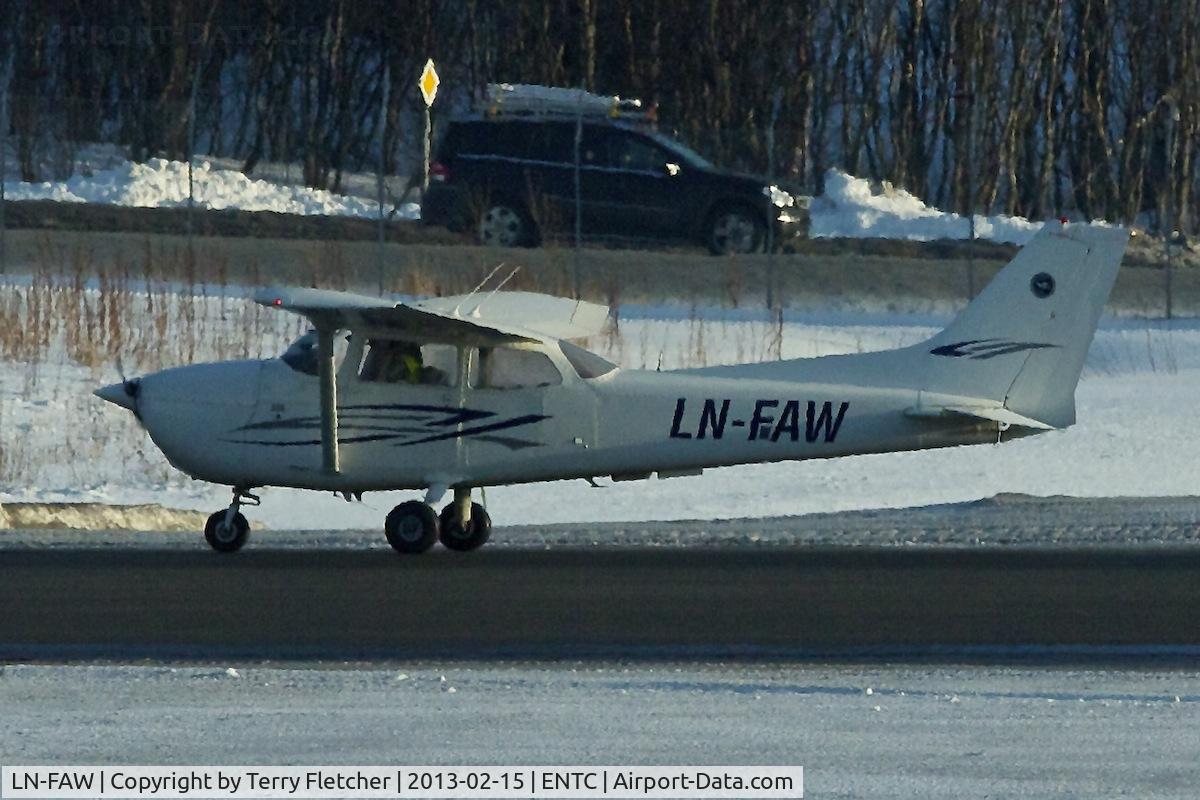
(1022, 342)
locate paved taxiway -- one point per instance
(1060, 581)
(594, 601)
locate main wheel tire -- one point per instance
(411, 527)
(456, 536)
(226, 537)
(735, 230)
(504, 225)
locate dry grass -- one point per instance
(838, 280)
(131, 310)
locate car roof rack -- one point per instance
(524, 99)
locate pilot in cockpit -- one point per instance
(391, 361)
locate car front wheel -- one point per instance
(735, 230)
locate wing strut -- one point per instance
(329, 419)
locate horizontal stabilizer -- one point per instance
(998, 414)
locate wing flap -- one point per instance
(543, 314)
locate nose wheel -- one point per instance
(227, 530)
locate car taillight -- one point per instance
(439, 172)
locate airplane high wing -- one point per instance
(483, 389)
(466, 321)
(502, 318)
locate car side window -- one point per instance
(593, 149)
(635, 153)
(509, 139)
(553, 142)
(618, 149)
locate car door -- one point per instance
(550, 177)
(630, 185)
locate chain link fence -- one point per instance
(605, 217)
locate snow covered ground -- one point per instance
(1134, 436)
(163, 184)
(859, 731)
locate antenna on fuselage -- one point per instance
(475, 311)
(479, 286)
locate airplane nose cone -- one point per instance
(121, 394)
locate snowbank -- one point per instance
(850, 209)
(98, 517)
(159, 183)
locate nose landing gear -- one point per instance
(227, 530)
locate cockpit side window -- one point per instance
(513, 368)
(392, 361)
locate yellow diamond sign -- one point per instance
(429, 82)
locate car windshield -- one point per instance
(685, 153)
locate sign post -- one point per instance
(429, 85)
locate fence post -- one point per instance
(774, 303)
(1168, 230)
(191, 134)
(4, 159)
(1168, 280)
(578, 192)
(379, 187)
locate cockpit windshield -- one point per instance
(301, 354)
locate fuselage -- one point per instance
(257, 423)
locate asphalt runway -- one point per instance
(800, 601)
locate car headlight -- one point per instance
(778, 196)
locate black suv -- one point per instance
(513, 181)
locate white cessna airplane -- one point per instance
(463, 392)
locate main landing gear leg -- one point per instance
(464, 525)
(227, 530)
